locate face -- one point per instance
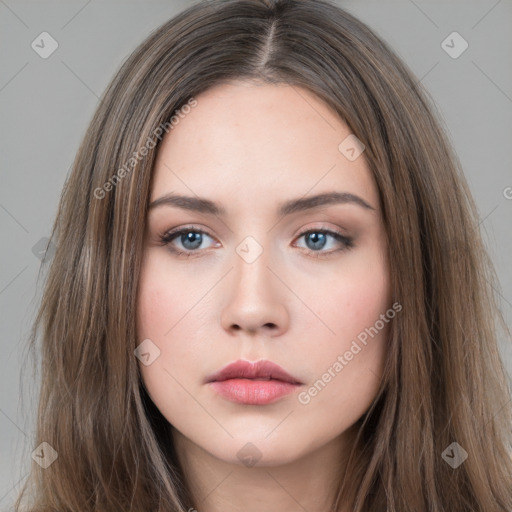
(304, 288)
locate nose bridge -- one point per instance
(251, 261)
(254, 300)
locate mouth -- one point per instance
(259, 383)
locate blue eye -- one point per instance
(318, 239)
(191, 240)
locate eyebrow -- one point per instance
(202, 205)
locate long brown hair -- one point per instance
(444, 381)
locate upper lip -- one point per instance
(246, 370)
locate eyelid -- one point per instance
(188, 227)
(322, 227)
(198, 229)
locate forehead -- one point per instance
(251, 143)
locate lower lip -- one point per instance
(253, 392)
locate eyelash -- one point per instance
(169, 236)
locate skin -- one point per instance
(250, 146)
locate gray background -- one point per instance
(46, 105)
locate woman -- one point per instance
(325, 339)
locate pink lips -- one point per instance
(259, 383)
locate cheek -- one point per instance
(162, 298)
(363, 299)
(348, 359)
(162, 318)
(354, 301)
(154, 309)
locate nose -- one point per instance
(255, 299)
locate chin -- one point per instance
(251, 451)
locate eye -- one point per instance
(317, 239)
(190, 238)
